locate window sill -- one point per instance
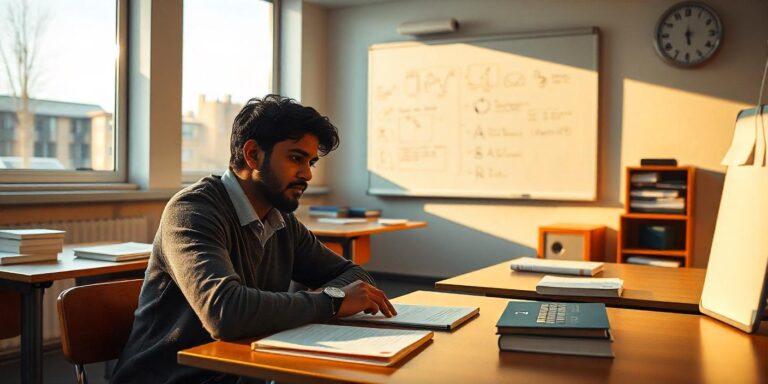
(30, 194)
(62, 194)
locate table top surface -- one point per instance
(355, 230)
(649, 347)
(645, 287)
(67, 267)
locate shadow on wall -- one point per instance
(445, 248)
(709, 189)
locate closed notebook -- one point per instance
(420, 316)
(372, 346)
(554, 319)
(577, 346)
(8, 258)
(116, 252)
(565, 267)
(36, 233)
(580, 286)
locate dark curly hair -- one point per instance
(275, 118)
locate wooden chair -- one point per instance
(96, 321)
(10, 307)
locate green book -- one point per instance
(554, 319)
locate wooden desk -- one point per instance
(31, 280)
(649, 347)
(645, 287)
(353, 241)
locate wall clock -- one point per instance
(688, 34)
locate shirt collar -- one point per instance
(245, 212)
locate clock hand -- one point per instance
(688, 35)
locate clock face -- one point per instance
(688, 34)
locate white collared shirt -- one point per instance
(247, 215)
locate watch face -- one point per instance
(334, 292)
(688, 34)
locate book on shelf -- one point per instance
(115, 252)
(328, 211)
(9, 258)
(556, 328)
(35, 233)
(580, 286)
(644, 177)
(563, 267)
(342, 220)
(373, 346)
(649, 194)
(654, 261)
(672, 184)
(420, 316)
(364, 212)
(671, 205)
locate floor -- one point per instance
(59, 371)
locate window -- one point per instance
(62, 108)
(228, 59)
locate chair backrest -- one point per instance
(96, 320)
(10, 307)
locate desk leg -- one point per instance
(32, 333)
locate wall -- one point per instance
(647, 109)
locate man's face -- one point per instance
(285, 172)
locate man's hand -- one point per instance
(361, 296)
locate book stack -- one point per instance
(651, 194)
(342, 211)
(556, 328)
(115, 252)
(18, 246)
(654, 261)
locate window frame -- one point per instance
(119, 122)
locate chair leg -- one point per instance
(80, 373)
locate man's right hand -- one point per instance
(361, 296)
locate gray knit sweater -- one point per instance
(210, 279)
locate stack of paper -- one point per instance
(580, 286)
(374, 346)
(19, 246)
(116, 252)
(420, 316)
(654, 261)
(564, 267)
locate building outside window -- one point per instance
(214, 34)
(62, 106)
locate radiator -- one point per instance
(85, 231)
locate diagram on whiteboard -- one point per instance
(492, 119)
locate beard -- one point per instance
(269, 186)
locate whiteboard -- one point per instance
(498, 117)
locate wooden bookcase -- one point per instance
(663, 234)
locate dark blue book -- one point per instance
(588, 320)
(328, 211)
(364, 212)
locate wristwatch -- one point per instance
(337, 296)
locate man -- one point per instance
(228, 247)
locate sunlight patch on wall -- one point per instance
(664, 122)
(520, 224)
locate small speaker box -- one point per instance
(572, 242)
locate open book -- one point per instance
(420, 316)
(374, 346)
(580, 286)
